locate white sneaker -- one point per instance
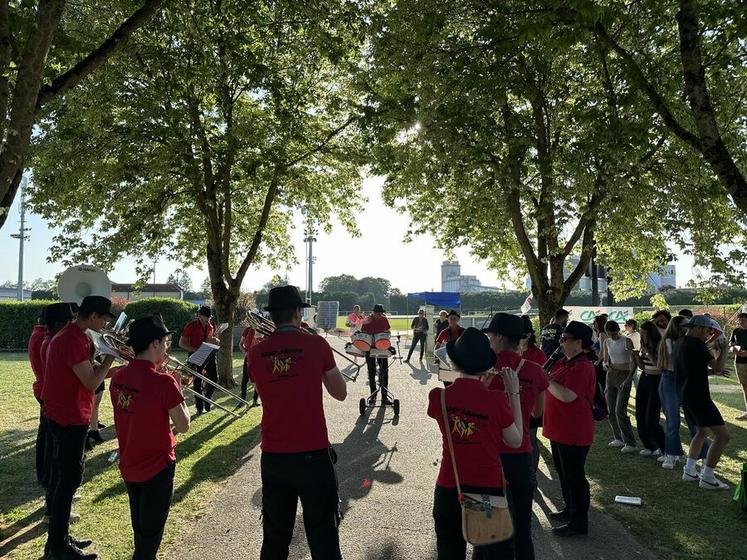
(646, 453)
(669, 462)
(616, 443)
(713, 484)
(657, 453)
(628, 449)
(661, 458)
(690, 476)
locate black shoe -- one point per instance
(561, 515)
(568, 531)
(101, 426)
(95, 436)
(407, 360)
(89, 444)
(80, 543)
(198, 413)
(372, 399)
(71, 552)
(207, 409)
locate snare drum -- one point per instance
(381, 341)
(362, 341)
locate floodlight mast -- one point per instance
(21, 236)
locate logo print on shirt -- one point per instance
(281, 365)
(124, 400)
(462, 427)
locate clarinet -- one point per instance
(554, 357)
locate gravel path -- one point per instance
(387, 468)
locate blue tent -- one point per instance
(438, 299)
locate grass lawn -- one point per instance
(677, 519)
(216, 445)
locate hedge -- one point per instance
(17, 320)
(176, 313)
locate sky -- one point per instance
(379, 251)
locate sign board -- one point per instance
(587, 314)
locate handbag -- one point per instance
(485, 518)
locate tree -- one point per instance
(341, 283)
(181, 279)
(222, 120)
(46, 49)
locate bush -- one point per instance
(176, 313)
(17, 320)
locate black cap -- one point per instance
(526, 322)
(742, 315)
(147, 329)
(454, 312)
(579, 330)
(57, 313)
(205, 310)
(378, 308)
(562, 313)
(471, 353)
(74, 306)
(285, 297)
(510, 326)
(96, 304)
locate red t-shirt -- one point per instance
(248, 335)
(478, 417)
(43, 352)
(571, 423)
(35, 357)
(141, 398)
(196, 333)
(532, 381)
(534, 354)
(375, 325)
(449, 334)
(288, 368)
(66, 400)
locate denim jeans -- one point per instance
(670, 403)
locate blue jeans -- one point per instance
(670, 403)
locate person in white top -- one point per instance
(618, 354)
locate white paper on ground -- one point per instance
(628, 500)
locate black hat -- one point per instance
(285, 297)
(562, 313)
(205, 310)
(147, 329)
(96, 304)
(526, 322)
(454, 312)
(510, 326)
(74, 306)
(471, 353)
(378, 308)
(579, 330)
(57, 313)
(742, 315)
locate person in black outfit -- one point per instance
(550, 335)
(419, 328)
(440, 324)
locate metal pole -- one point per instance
(311, 269)
(21, 236)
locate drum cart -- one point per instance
(390, 398)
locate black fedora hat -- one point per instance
(147, 329)
(510, 326)
(378, 308)
(579, 330)
(96, 304)
(58, 313)
(471, 353)
(285, 297)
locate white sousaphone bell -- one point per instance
(83, 280)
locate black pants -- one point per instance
(211, 372)
(150, 501)
(417, 337)
(383, 374)
(569, 461)
(42, 449)
(66, 474)
(522, 481)
(286, 477)
(534, 425)
(450, 543)
(244, 378)
(647, 412)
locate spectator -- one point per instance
(419, 328)
(550, 335)
(686, 313)
(738, 345)
(620, 366)
(598, 338)
(661, 319)
(647, 402)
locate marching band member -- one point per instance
(374, 324)
(194, 334)
(530, 351)
(439, 325)
(145, 402)
(290, 367)
(355, 318)
(481, 421)
(419, 328)
(68, 394)
(248, 337)
(37, 365)
(505, 333)
(453, 331)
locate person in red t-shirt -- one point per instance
(68, 394)
(37, 366)
(530, 351)
(374, 324)
(248, 337)
(569, 425)
(290, 367)
(505, 333)
(452, 332)
(481, 422)
(146, 402)
(193, 335)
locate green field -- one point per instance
(215, 446)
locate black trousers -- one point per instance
(450, 543)
(522, 481)
(43, 447)
(648, 411)
(286, 477)
(244, 378)
(211, 372)
(150, 501)
(68, 458)
(569, 461)
(417, 337)
(383, 374)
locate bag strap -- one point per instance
(447, 428)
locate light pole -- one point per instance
(21, 236)
(310, 259)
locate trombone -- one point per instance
(266, 327)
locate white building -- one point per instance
(452, 280)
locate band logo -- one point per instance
(124, 400)
(281, 365)
(462, 427)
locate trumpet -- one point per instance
(266, 327)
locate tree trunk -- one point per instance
(225, 304)
(548, 304)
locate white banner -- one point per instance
(587, 314)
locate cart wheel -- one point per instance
(396, 407)
(362, 406)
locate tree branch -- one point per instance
(328, 138)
